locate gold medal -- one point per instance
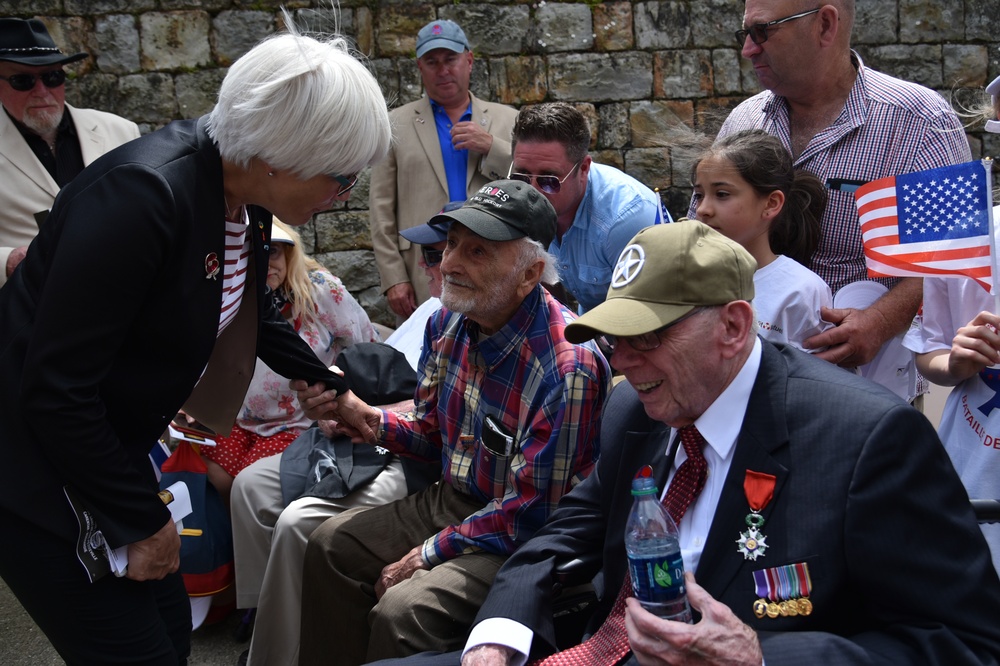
(805, 606)
(791, 607)
(772, 610)
(760, 608)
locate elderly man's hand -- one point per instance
(356, 418)
(156, 556)
(399, 571)
(488, 655)
(719, 638)
(854, 340)
(467, 135)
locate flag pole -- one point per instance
(988, 166)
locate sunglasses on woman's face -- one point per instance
(432, 257)
(25, 82)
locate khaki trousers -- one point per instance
(343, 623)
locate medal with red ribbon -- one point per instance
(759, 489)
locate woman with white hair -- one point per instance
(314, 301)
(144, 294)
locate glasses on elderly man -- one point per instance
(547, 184)
(432, 257)
(25, 82)
(346, 183)
(758, 31)
(647, 341)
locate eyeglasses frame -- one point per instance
(527, 177)
(35, 78)
(612, 341)
(741, 35)
(346, 182)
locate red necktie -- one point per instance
(609, 644)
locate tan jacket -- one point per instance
(27, 188)
(410, 185)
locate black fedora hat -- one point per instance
(26, 41)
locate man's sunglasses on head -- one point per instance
(25, 82)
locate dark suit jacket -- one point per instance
(865, 495)
(109, 323)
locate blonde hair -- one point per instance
(297, 285)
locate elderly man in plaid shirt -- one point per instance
(848, 124)
(509, 406)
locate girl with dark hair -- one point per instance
(746, 188)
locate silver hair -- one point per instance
(301, 104)
(532, 251)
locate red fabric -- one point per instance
(609, 644)
(243, 447)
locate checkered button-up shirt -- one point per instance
(544, 391)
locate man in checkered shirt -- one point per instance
(848, 124)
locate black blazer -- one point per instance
(865, 494)
(109, 323)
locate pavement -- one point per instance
(22, 644)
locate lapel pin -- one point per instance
(211, 265)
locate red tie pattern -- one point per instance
(609, 644)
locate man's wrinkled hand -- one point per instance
(397, 572)
(720, 638)
(402, 299)
(855, 339)
(156, 556)
(488, 655)
(356, 418)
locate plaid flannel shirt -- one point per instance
(545, 391)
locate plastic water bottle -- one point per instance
(654, 553)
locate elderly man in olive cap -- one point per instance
(509, 407)
(44, 142)
(820, 519)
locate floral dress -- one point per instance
(271, 417)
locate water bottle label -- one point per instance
(657, 579)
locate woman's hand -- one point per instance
(156, 556)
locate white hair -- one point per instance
(532, 251)
(302, 105)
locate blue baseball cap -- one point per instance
(433, 232)
(443, 34)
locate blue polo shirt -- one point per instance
(456, 162)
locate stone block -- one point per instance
(342, 230)
(307, 232)
(97, 91)
(875, 22)
(682, 73)
(117, 37)
(920, 63)
(652, 123)
(364, 31)
(518, 80)
(613, 26)
(597, 77)
(98, 7)
(650, 166)
(197, 92)
(236, 32)
(614, 158)
(23, 8)
(396, 28)
(726, 72)
(713, 22)
(359, 194)
(175, 40)
(388, 79)
(207, 5)
(492, 29)
(355, 268)
(748, 78)
(148, 97)
(662, 25)
(479, 81)
(613, 126)
(325, 21)
(376, 306)
(931, 22)
(73, 34)
(564, 27)
(411, 87)
(981, 20)
(710, 112)
(965, 65)
(677, 199)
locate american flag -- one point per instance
(934, 222)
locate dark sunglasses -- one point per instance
(432, 257)
(758, 31)
(346, 183)
(25, 82)
(547, 184)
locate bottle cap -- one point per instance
(644, 483)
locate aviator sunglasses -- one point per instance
(25, 82)
(547, 184)
(758, 31)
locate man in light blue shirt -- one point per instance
(599, 208)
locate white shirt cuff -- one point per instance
(502, 631)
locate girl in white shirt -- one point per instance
(746, 188)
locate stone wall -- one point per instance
(632, 66)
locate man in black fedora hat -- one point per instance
(44, 142)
